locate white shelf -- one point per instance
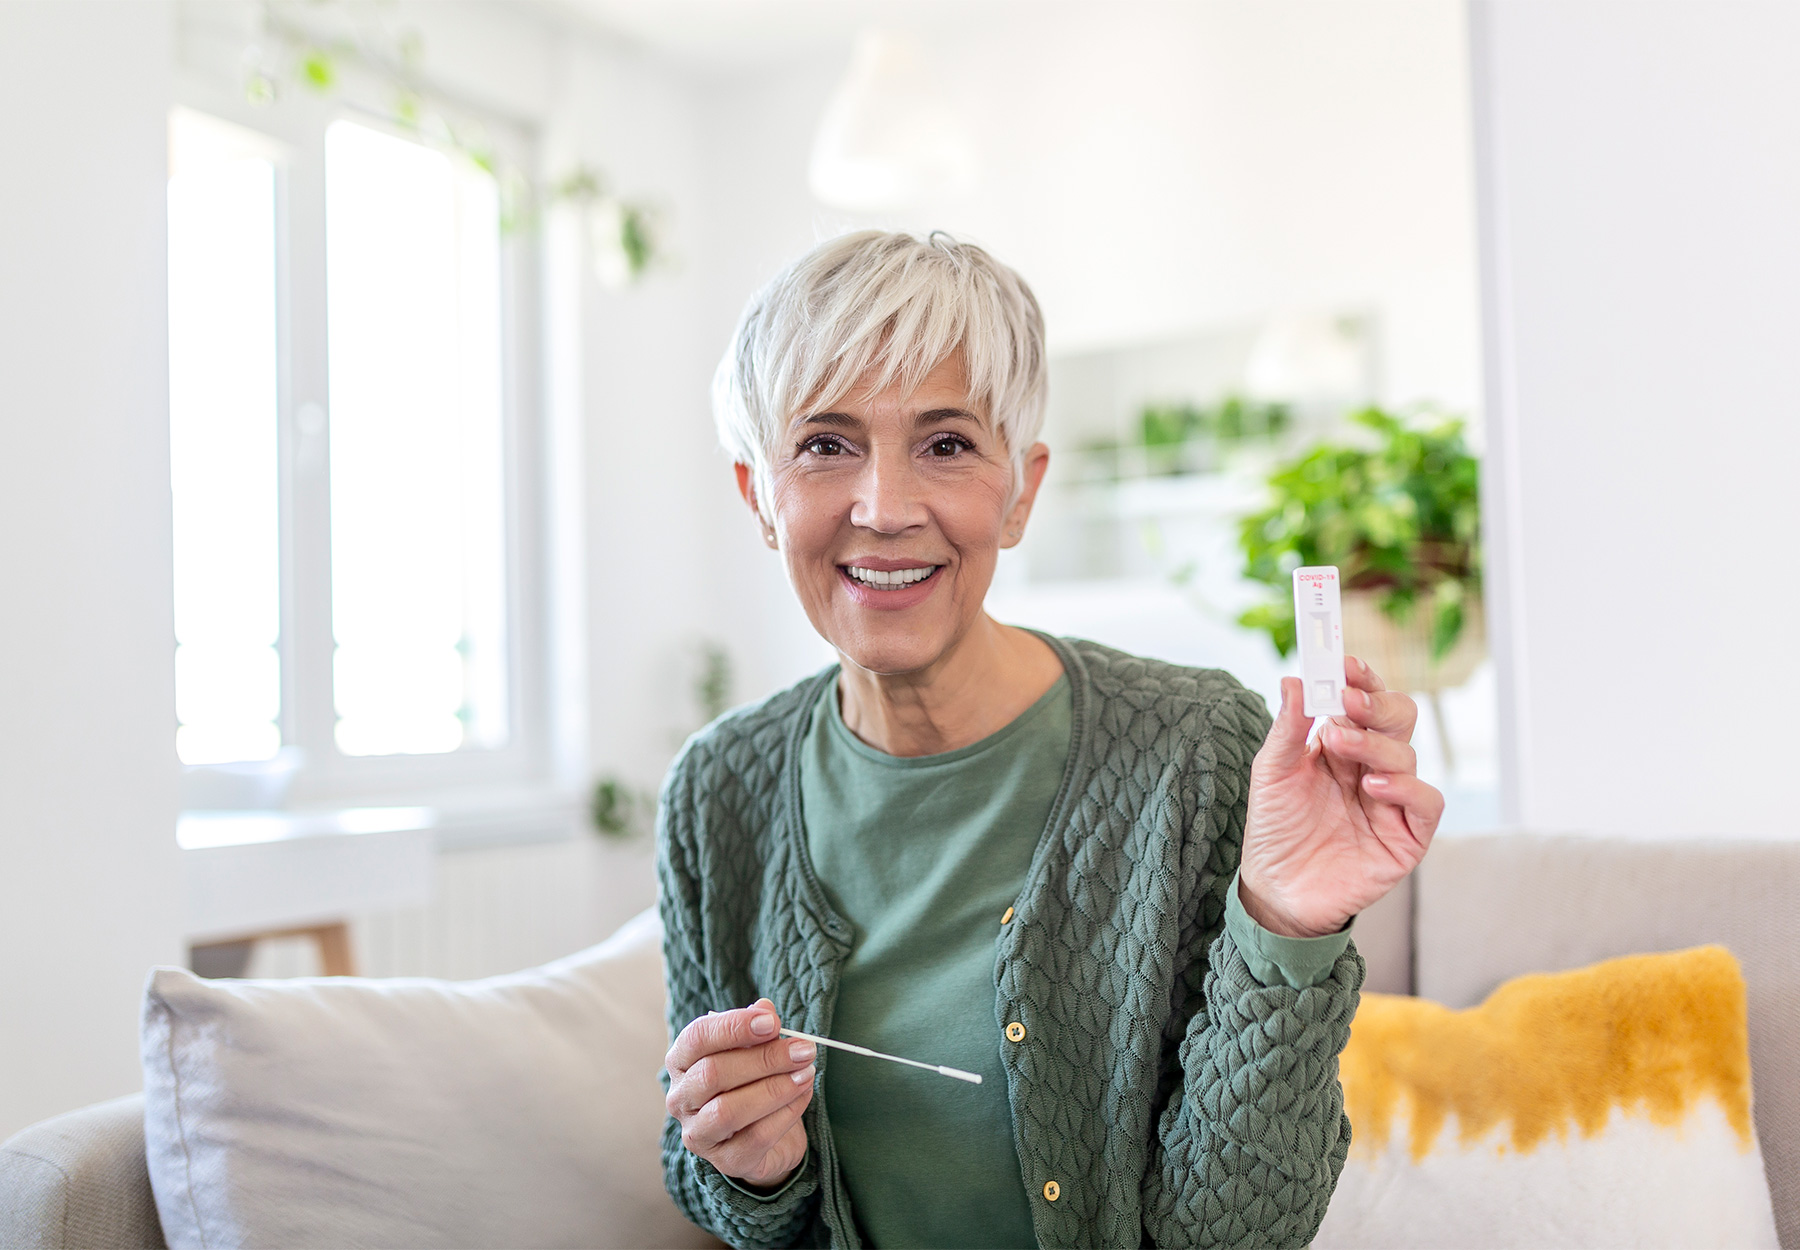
(254, 871)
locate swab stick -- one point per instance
(973, 1078)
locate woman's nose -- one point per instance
(889, 498)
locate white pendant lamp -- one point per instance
(1309, 358)
(887, 140)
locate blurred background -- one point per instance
(366, 550)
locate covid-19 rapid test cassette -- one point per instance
(1319, 628)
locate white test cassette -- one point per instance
(1319, 629)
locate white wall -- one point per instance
(1153, 170)
(1641, 185)
(89, 891)
(652, 555)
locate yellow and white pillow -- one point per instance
(1609, 1106)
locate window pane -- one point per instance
(222, 406)
(417, 523)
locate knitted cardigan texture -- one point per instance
(1160, 1092)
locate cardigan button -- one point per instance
(1015, 1032)
(1007, 918)
(1052, 1191)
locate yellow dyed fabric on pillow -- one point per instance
(1609, 1106)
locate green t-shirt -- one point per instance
(923, 856)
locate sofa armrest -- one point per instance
(79, 1180)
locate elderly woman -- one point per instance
(1067, 869)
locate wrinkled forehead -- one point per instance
(889, 384)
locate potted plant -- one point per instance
(1171, 439)
(1401, 520)
(622, 811)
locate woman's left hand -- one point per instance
(1334, 826)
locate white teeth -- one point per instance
(890, 580)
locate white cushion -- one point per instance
(522, 1110)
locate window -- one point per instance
(345, 423)
(222, 434)
(418, 582)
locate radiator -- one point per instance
(492, 909)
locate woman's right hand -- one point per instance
(738, 1090)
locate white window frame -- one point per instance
(296, 125)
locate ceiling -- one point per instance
(720, 34)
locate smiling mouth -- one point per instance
(895, 579)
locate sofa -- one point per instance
(1480, 910)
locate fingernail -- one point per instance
(762, 1024)
(1375, 781)
(805, 1075)
(801, 1052)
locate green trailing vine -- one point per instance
(295, 51)
(1402, 518)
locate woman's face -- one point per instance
(890, 510)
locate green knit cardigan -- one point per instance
(1172, 1098)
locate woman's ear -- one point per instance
(1037, 462)
(746, 483)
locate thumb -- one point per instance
(1286, 743)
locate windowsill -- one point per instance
(511, 817)
(213, 830)
(252, 871)
(459, 821)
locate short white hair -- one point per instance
(893, 304)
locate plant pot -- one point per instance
(1400, 653)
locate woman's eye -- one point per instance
(949, 445)
(823, 445)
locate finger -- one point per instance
(1384, 711)
(1422, 802)
(751, 1148)
(714, 1074)
(1286, 743)
(735, 1110)
(1360, 676)
(1376, 752)
(723, 1030)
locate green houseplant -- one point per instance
(1401, 519)
(1176, 438)
(620, 810)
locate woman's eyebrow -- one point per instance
(844, 421)
(934, 415)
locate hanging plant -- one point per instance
(625, 236)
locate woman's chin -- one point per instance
(891, 647)
(893, 632)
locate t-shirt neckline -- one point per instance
(842, 735)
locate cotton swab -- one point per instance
(973, 1078)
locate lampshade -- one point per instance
(886, 139)
(1308, 356)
